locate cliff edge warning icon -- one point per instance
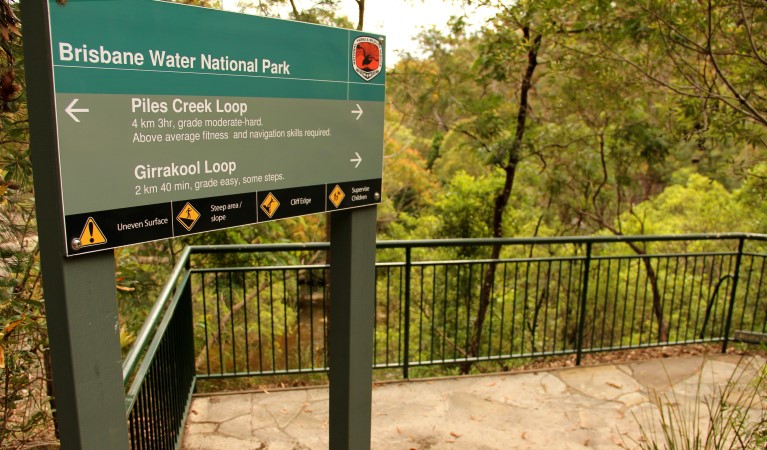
(270, 205)
(92, 234)
(188, 216)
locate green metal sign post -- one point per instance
(152, 120)
(80, 295)
(352, 315)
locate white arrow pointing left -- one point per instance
(71, 110)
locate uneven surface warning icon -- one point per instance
(92, 234)
(270, 205)
(337, 196)
(188, 216)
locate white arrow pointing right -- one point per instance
(358, 111)
(358, 160)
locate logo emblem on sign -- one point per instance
(367, 57)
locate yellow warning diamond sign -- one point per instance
(92, 234)
(188, 216)
(270, 205)
(337, 196)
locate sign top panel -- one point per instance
(154, 47)
(174, 119)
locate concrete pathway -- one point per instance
(589, 407)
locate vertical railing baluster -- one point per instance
(273, 344)
(582, 307)
(231, 323)
(311, 319)
(444, 312)
(468, 312)
(205, 322)
(556, 306)
(298, 319)
(757, 301)
(325, 316)
(220, 334)
(433, 307)
(746, 295)
(245, 318)
(285, 332)
(595, 313)
(388, 316)
(420, 318)
(406, 355)
(258, 321)
(733, 295)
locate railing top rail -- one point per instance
(566, 240)
(474, 242)
(253, 248)
(260, 268)
(153, 319)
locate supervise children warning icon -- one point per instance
(337, 196)
(270, 205)
(367, 57)
(188, 216)
(92, 234)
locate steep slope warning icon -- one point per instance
(188, 216)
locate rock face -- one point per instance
(599, 407)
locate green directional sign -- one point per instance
(175, 119)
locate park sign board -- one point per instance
(173, 119)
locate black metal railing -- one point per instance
(237, 311)
(159, 390)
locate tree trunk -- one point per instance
(657, 301)
(502, 199)
(657, 305)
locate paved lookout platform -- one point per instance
(586, 407)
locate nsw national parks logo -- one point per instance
(367, 57)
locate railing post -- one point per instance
(188, 334)
(406, 352)
(735, 278)
(582, 308)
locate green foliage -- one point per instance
(696, 205)
(752, 196)
(465, 209)
(23, 337)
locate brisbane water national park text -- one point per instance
(160, 58)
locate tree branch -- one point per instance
(361, 14)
